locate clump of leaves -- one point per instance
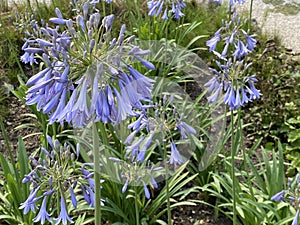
(278, 71)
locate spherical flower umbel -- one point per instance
(230, 78)
(137, 174)
(87, 74)
(231, 35)
(162, 121)
(232, 83)
(57, 174)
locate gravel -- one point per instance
(287, 27)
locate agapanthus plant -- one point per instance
(162, 7)
(55, 177)
(291, 195)
(86, 75)
(231, 75)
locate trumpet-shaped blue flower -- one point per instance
(146, 190)
(42, 215)
(230, 78)
(295, 220)
(63, 216)
(175, 158)
(212, 43)
(280, 196)
(30, 203)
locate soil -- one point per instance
(17, 116)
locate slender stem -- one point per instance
(137, 215)
(97, 175)
(250, 16)
(168, 199)
(103, 8)
(167, 186)
(245, 168)
(233, 167)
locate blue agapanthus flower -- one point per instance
(231, 2)
(162, 7)
(236, 89)
(232, 36)
(58, 175)
(86, 77)
(158, 122)
(42, 215)
(137, 174)
(230, 79)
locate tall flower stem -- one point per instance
(250, 16)
(168, 196)
(97, 175)
(103, 8)
(167, 186)
(136, 205)
(233, 166)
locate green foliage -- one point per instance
(293, 146)
(12, 191)
(119, 207)
(278, 72)
(3, 6)
(255, 183)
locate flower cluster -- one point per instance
(57, 175)
(233, 35)
(158, 7)
(231, 75)
(231, 2)
(97, 1)
(135, 174)
(292, 195)
(87, 74)
(161, 121)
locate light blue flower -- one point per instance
(279, 196)
(146, 191)
(63, 87)
(28, 58)
(185, 129)
(175, 158)
(212, 43)
(29, 204)
(240, 50)
(73, 197)
(295, 220)
(124, 188)
(141, 155)
(251, 42)
(42, 215)
(231, 2)
(63, 215)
